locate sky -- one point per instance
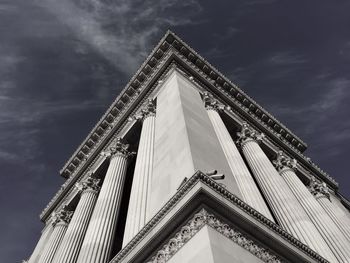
(62, 63)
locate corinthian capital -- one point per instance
(62, 216)
(247, 132)
(211, 103)
(319, 189)
(149, 109)
(283, 161)
(89, 183)
(119, 148)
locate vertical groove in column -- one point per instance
(97, 243)
(329, 231)
(53, 243)
(45, 235)
(250, 192)
(138, 204)
(288, 210)
(337, 215)
(72, 241)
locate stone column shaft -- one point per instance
(339, 217)
(324, 224)
(250, 192)
(97, 243)
(61, 220)
(73, 239)
(140, 192)
(288, 211)
(45, 235)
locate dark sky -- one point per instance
(63, 62)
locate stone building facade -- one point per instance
(186, 167)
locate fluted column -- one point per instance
(97, 243)
(247, 186)
(324, 224)
(60, 223)
(73, 239)
(45, 235)
(286, 208)
(139, 197)
(339, 217)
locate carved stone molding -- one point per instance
(203, 178)
(202, 219)
(149, 109)
(63, 216)
(248, 133)
(113, 119)
(89, 184)
(319, 189)
(211, 103)
(118, 148)
(284, 162)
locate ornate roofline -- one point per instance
(110, 118)
(233, 199)
(136, 92)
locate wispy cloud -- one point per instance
(286, 58)
(321, 119)
(121, 30)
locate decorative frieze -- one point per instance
(193, 226)
(203, 178)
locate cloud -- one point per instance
(321, 119)
(286, 58)
(121, 30)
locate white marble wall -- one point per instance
(185, 141)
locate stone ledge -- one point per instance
(202, 192)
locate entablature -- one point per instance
(133, 89)
(173, 52)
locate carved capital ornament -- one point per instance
(248, 133)
(319, 189)
(149, 109)
(63, 216)
(283, 161)
(211, 103)
(118, 148)
(89, 184)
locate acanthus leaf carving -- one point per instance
(193, 226)
(247, 132)
(319, 189)
(283, 161)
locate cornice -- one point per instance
(233, 199)
(171, 48)
(193, 226)
(104, 142)
(170, 40)
(247, 115)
